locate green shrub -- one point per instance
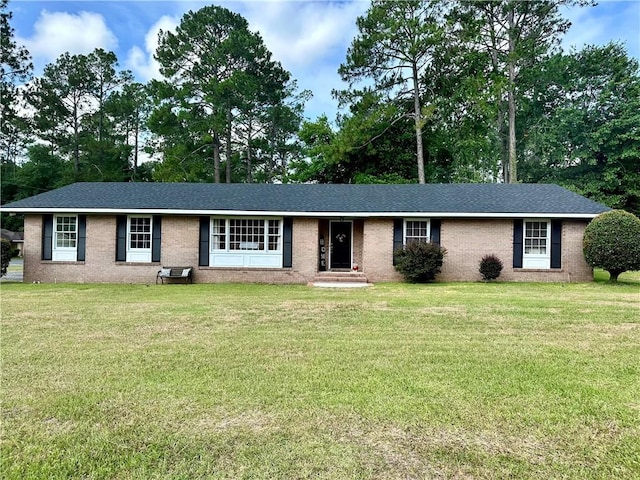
(7, 254)
(612, 242)
(420, 262)
(490, 267)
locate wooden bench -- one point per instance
(175, 272)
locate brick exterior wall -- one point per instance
(466, 242)
(377, 261)
(180, 242)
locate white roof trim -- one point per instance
(151, 211)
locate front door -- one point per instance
(341, 245)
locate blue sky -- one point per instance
(310, 38)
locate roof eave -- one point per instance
(281, 213)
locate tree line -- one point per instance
(468, 91)
(435, 91)
(224, 110)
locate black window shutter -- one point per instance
(287, 242)
(121, 238)
(82, 238)
(47, 236)
(556, 243)
(156, 238)
(203, 249)
(517, 243)
(398, 226)
(435, 230)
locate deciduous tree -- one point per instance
(583, 126)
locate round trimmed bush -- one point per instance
(490, 267)
(420, 262)
(612, 242)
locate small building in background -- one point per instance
(16, 239)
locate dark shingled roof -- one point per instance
(460, 198)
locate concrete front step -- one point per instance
(337, 277)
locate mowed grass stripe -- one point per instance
(467, 380)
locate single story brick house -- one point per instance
(124, 232)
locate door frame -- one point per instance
(331, 222)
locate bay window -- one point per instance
(246, 242)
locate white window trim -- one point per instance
(63, 254)
(536, 260)
(404, 228)
(139, 255)
(250, 257)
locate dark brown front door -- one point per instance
(340, 244)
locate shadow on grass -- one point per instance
(626, 278)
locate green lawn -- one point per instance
(466, 380)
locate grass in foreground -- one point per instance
(394, 381)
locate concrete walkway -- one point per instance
(341, 284)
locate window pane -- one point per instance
(535, 241)
(66, 232)
(416, 231)
(246, 234)
(274, 235)
(140, 232)
(219, 234)
(543, 230)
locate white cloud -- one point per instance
(606, 22)
(585, 27)
(58, 32)
(310, 39)
(304, 33)
(141, 62)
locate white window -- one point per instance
(536, 244)
(246, 242)
(274, 236)
(416, 231)
(65, 238)
(139, 239)
(218, 234)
